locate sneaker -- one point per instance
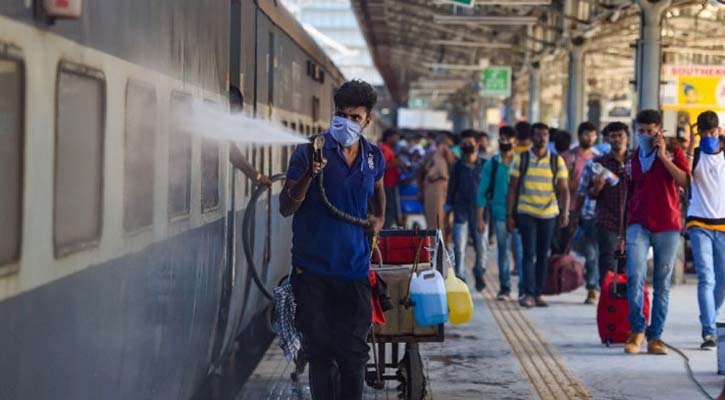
(634, 343)
(503, 295)
(539, 301)
(527, 302)
(480, 283)
(656, 346)
(592, 296)
(709, 343)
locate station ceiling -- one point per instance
(433, 49)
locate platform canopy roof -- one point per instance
(435, 49)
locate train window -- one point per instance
(262, 157)
(139, 156)
(270, 70)
(209, 174)
(247, 180)
(285, 158)
(315, 108)
(80, 136)
(12, 81)
(179, 159)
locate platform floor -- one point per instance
(506, 352)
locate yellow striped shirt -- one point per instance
(538, 197)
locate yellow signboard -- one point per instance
(692, 89)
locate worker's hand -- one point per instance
(481, 225)
(564, 219)
(376, 224)
(317, 167)
(598, 181)
(263, 180)
(510, 223)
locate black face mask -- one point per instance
(505, 147)
(468, 149)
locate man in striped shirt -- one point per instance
(533, 207)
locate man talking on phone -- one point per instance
(654, 220)
(330, 255)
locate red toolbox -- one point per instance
(400, 247)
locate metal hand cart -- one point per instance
(400, 326)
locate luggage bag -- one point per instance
(565, 275)
(613, 309)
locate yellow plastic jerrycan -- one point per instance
(460, 304)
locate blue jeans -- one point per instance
(518, 250)
(708, 249)
(590, 248)
(503, 243)
(664, 246)
(460, 242)
(536, 234)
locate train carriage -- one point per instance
(122, 275)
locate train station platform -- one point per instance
(507, 352)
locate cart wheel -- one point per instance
(410, 374)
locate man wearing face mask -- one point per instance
(492, 192)
(330, 255)
(462, 187)
(654, 220)
(706, 222)
(582, 209)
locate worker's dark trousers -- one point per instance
(334, 316)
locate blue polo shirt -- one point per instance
(321, 243)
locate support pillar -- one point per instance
(649, 50)
(510, 114)
(575, 89)
(534, 113)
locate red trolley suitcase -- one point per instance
(613, 309)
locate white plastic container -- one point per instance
(428, 293)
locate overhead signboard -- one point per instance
(495, 82)
(465, 3)
(417, 103)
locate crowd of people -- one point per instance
(605, 196)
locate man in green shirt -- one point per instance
(493, 192)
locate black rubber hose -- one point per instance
(248, 225)
(690, 373)
(334, 211)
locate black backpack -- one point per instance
(524, 167)
(492, 183)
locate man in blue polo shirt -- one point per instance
(331, 256)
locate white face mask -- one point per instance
(345, 132)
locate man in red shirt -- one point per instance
(654, 220)
(391, 177)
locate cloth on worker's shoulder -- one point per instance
(283, 323)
